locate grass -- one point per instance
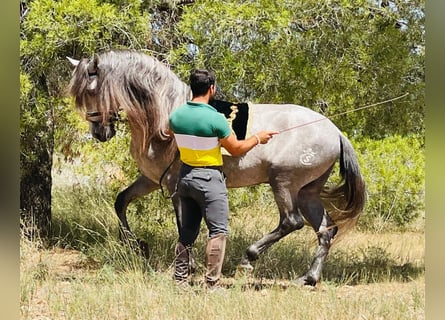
(85, 273)
(102, 292)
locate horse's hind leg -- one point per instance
(311, 207)
(140, 187)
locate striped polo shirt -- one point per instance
(198, 128)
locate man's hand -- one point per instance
(239, 147)
(264, 136)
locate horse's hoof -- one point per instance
(304, 281)
(143, 248)
(252, 253)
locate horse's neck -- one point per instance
(152, 162)
(160, 149)
(184, 95)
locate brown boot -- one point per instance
(182, 264)
(215, 251)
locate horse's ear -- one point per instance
(74, 62)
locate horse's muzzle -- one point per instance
(101, 132)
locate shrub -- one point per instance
(394, 170)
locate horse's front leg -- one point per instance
(140, 187)
(290, 220)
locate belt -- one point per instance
(219, 168)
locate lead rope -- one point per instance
(163, 175)
(343, 113)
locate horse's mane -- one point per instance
(134, 82)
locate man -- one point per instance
(200, 131)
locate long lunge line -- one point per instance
(343, 113)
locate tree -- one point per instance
(50, 31)
(332, 56)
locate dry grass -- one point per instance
(85, 273)
(67, 284)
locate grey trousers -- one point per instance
(203, 195)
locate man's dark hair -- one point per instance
(201, 80)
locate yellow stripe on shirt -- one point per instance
(197, 158)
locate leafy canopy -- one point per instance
(331, 56)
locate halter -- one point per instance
(97, 117)
(163, 175)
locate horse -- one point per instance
(296, 163)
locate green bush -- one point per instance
(394, 171)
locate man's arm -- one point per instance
(239, 147)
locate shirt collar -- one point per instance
(199, 104)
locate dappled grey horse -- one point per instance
(296, 163)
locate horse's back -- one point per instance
(286, 116)
(306, 146)
(300, 129)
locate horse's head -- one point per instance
(84, 87)
(145, 89)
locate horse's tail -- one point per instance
(346, 201)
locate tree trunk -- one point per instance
(36, 151)
(35, 191)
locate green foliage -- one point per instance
(244, 198)
(368, 265)
(394, 171)
(330, 56)
(36, 147)
(83, 27)
(50, 31)
(84, 219)
(108, 163)
(53, 30)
